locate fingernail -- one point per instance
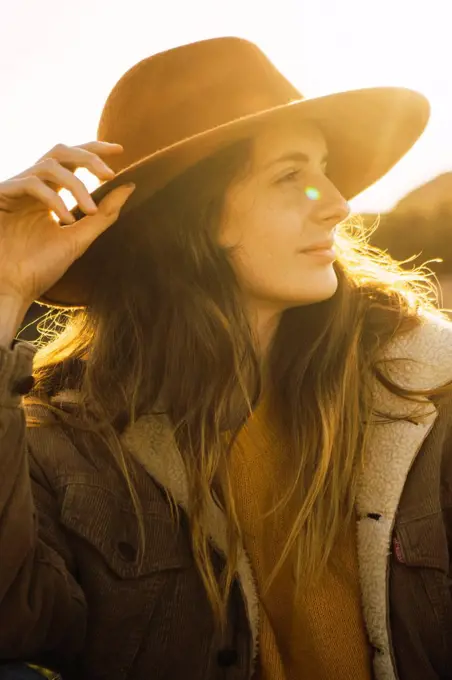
(128, 188)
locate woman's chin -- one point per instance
(317, 291)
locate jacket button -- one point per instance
(24, 385)
(374, 515)
(127, 551)
(227, 657)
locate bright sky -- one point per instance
(59, 60)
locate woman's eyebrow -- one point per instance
(294, 156)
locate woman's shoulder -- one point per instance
(60, 450)
(422, 355)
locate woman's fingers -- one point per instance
(86, 230)
(51, 171)
(101, 148)
(32, 186)
(56, 167)
(87, 156)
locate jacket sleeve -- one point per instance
(42, 608)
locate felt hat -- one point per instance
(177, 107)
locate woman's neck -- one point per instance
(264, 324)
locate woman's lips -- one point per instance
(322, 253)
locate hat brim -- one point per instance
(367, 132)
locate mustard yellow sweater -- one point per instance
(315, 636)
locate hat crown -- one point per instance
(185, 91)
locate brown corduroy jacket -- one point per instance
(74, 597)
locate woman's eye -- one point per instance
(294, 174)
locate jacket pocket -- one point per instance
(110, 525)
(423, 543)
(421, 591)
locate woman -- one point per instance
(232, 398)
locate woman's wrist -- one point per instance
(12, 313)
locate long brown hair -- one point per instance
(167, 327)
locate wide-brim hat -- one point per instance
(177, 107)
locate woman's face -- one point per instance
(283, 206)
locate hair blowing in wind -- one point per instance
(166, 331)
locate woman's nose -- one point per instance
(340, 212)
(333, 210)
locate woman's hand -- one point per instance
(35, 251)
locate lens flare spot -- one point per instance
(312, 193)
